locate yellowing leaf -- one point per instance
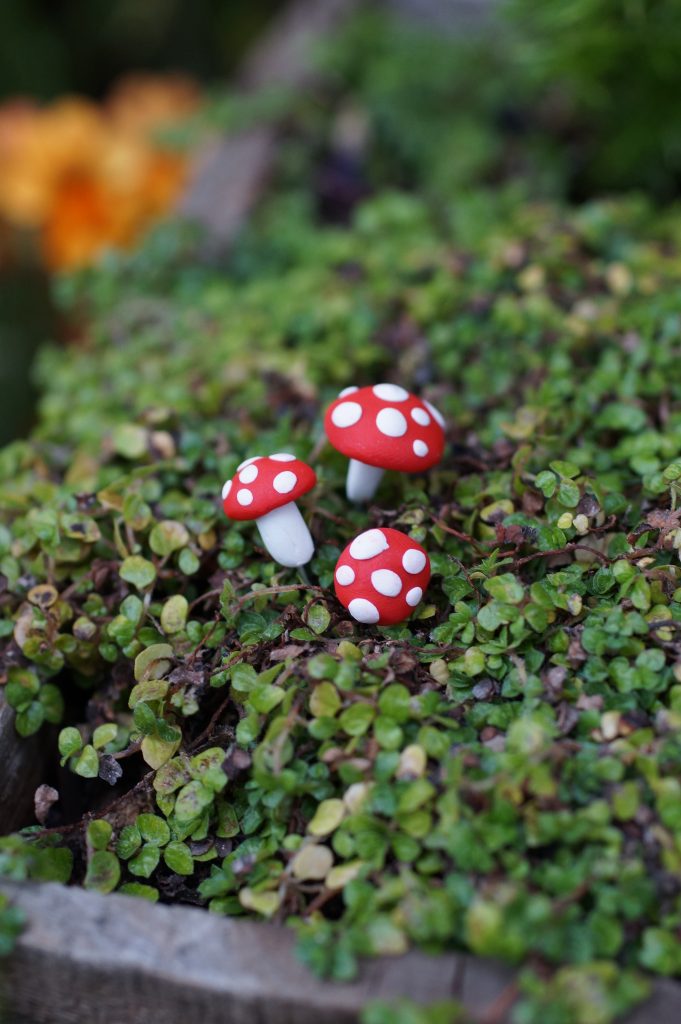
(327, 817)
(265, 903)
(339, 876)
(312, 863)
(156, 751)
(153, 662)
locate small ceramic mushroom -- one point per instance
(383, 427)
(266, 488)
(381, 576)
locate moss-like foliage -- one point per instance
(501, 773)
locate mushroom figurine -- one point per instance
(266, 489)
(381, 576)
(383, 427)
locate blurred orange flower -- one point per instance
(85, 177)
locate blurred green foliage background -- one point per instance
(48, 47)
(567, 99)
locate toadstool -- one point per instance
(383, 427)
(266, 489)
(381, 576)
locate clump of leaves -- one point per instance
(499, 774)
(603, 75)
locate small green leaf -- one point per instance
(178, 858)
(566, 469)
(104, 734)
(174, 614)
(264, 697)
(129, 440)
(324, 700)
(140, 890)
(168, 536)
(356, 720)
(144, 719)
(505, 588)
(87, 764)
(99, 834)
(153, 830)
(138, 571)
(103, 872)
(546, 482)
(153, 662)
(145, 862)
(156, 751)
(70, 742)
(21, 688)
(327, 817)
(244, 677)
(568, 493)
(129, 841)
(317, 617)
(30, 718)
(192, 800)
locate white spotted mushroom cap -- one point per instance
(386, 426)
(264, 483)
(381, 576)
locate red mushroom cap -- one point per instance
(386, 426)
(381, 576)
(264, 483)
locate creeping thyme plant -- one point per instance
(498, 775)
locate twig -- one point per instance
(465, 537)
(320, 900)
(561, 551)
(268, 591)
(204, 640)
(265, 591)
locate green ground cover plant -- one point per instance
(500, 774)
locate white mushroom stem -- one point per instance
(285, 535)
(362, 480)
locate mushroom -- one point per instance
(381, 576)
(383, 427)
(266, 489)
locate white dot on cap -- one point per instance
(345, 575)
(247, 462)
(414, 596)
(348, 391)
(283, 457)
(420, 416)
(284, 483)
(390, 392)
(368, 544)
(413, 560)
(391, 422)
(420, 448)
(386, 582)
(346, 414)
(244, 496)
(248, 474)
(226, 489)
(438, 415)
(363, 610)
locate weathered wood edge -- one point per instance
(231, 173)
(21, 765)
(117, 959)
